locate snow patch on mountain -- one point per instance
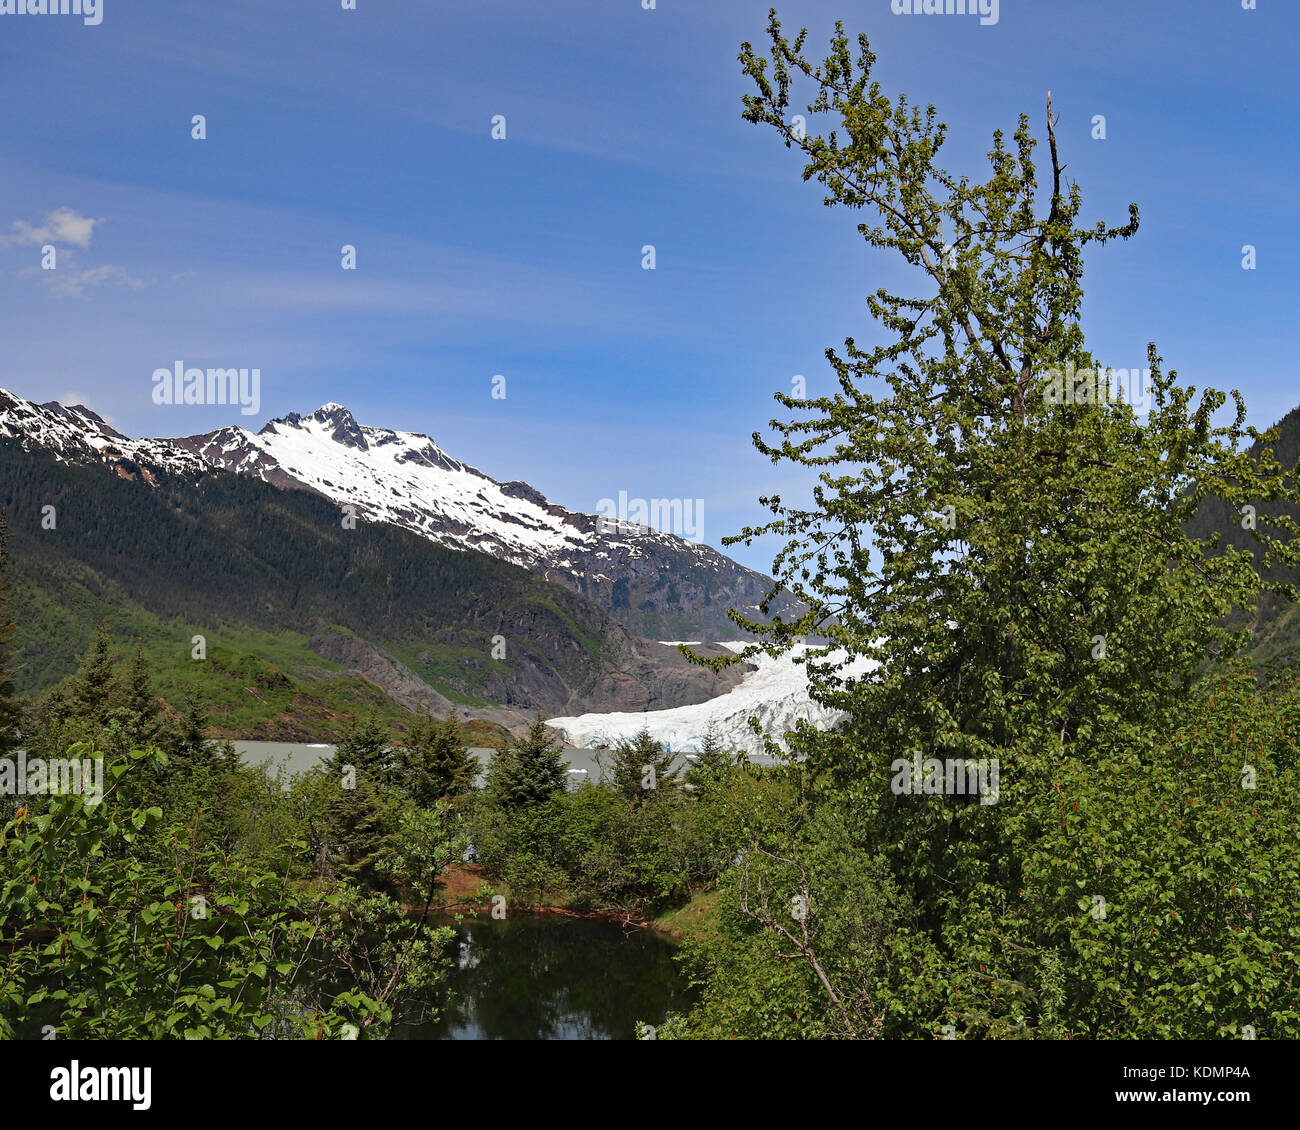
(406, 479)
(776, 693)
(75, 434)
(647, 577)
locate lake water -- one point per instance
(298, 757)
(531, 977)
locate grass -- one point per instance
(695, 919)
(255, 685)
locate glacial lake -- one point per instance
(297, 757)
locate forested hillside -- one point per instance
(276, 574)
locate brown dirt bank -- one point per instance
(461, 881)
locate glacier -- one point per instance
(776, 693)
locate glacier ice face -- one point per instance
(776, 694)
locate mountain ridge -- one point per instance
(656, 583)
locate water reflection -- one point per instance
(539, 978)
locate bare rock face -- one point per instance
(380, 669)
(652, 676)
(657, 677)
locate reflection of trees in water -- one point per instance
(557, 979)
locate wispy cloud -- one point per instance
(74, 284)
(72, 398)
(63, 225)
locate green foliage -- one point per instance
(139, 700)
(433, 762)
(104, 940)
(362, 803)
(641, 765)
(95, 682)
(1026, 572)
(528, 772)
(597, 847)
(366, 745)
(638, 853)
(1196, 935)
(188, 742)
(1065, 533)
(810, 940)
(10, 709)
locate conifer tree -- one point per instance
(362, 798)
(10, 709)
(529, 771)
(642, 765)
(94, 685)
(432, 762)
(366, 744)
(712, 761)
(139, 700)
(189, 744)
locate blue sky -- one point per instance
(522, 257)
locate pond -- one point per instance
(534, 977)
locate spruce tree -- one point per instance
(94, 686)
(138, 699)
(642, 765)
(362, 798)
(432, 761)
(188, 744)
(529, 771)
(366, 744)
(712, 761)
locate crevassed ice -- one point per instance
(776, 693)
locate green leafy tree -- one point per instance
(810, 937)
(1006, 543)
(1032, 588)
(520, 825)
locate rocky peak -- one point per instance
(333, 418)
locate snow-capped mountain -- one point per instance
(75, 434)
(407, 479)
(656, 583)
(776, 693)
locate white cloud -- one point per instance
(73, 284)
(63, 225)
(68, 399)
